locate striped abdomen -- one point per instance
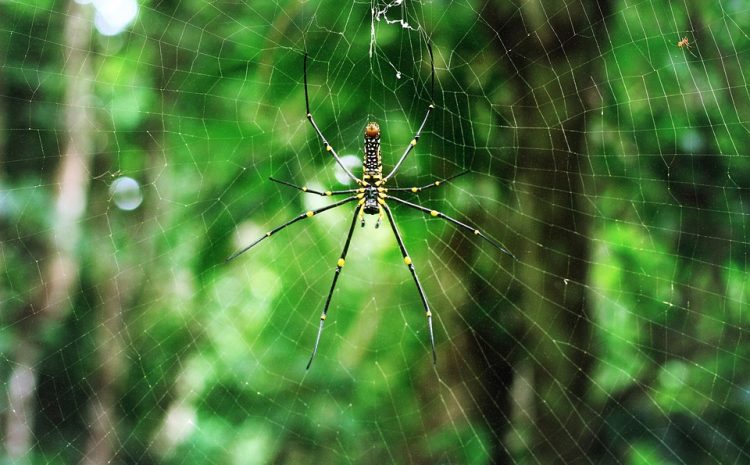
(372, 164)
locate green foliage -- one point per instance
(201, 102)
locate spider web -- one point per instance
(135, 156)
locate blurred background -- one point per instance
(606, 147)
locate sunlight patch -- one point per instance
(112, 16)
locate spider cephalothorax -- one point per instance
(371, 198)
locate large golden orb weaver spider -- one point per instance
(371, 199)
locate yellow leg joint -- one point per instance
(323, 317)
(437, 183)
(304, 189)
(407, 260)
(414, 189)
(413, 142)
(328, 148)
(428, 314)
(328, 193)
(268, 234)
(476, 231)
(309, 213)
(434, 213)
(340, 263)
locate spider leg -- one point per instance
(424, 121)
(320, 134)
(408, 262)
(307, 214)
(432, 184)
(313, 191)
(410, 146)
(339, 265)
(435, 213)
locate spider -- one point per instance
(685, 44)
(371, 198)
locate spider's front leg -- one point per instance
(411, 145)
(430, 107)
(327, 146)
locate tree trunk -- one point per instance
(103, 440)
(60, 268)
(548, 422)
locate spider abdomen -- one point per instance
(372, 164)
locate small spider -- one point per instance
(685, 45)
(370, 198)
